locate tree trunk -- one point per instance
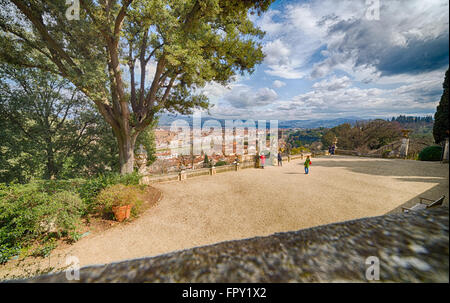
(51, 169)
(126, 152)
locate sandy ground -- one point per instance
(257, 202)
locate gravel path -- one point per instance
(256, 202)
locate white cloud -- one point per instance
(243, 96)
(277, 53)
(268, 25)
(345, 64)
(214, 91)
(337, 97)
(366, 49)
(333, 84)
(278, 84)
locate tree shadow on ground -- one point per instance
(402, 170)
(386, 167)
(433, 193)
(424, 180)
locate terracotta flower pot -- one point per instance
(129, 210)
(122, 212)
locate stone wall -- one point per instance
(410, 247)
(248, 162)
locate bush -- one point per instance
(220, 163)
(54, 186)
(431, 153)
(118, 195)
(7, 253)
(38, 212)
(68, 208)
(29, 214)
(92, 187)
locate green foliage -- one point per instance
(44, 250)
(54, 186)
(328, 138)
(7, 252)
(42, 210)
(402, 119)
(191, 42)
(147, 139)
(89, 190)
(308, 136)
(431, 153)
(117, 195)
(441, 124)
(29, 214)
(299, 150)
(421, 127)
(49, 129)
(220, 163)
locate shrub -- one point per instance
(89, 190)
(44, 250)
(29, 214)
(68, 210)
(54, 186)
(7, 252)
(118, 195)
(431, 153)
(37, 212)
(220, 163)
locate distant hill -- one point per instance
(317, 123)
(167, 120)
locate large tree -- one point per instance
(441, 124)
(48, 128)
(109, 52)
(364, 134)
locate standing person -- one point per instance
(262, 159)
(307, 164)
(333, 147)
(280, 160)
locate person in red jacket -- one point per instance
(262, 160)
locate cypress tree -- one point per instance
(441, 125)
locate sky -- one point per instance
(338, 59)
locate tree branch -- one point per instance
(131, 62)
(26, 40)
(121, 17)
(44, 33)
(143, 68)
(67, 111)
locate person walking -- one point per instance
(262, 160)
(307, 164)
(280, 159)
